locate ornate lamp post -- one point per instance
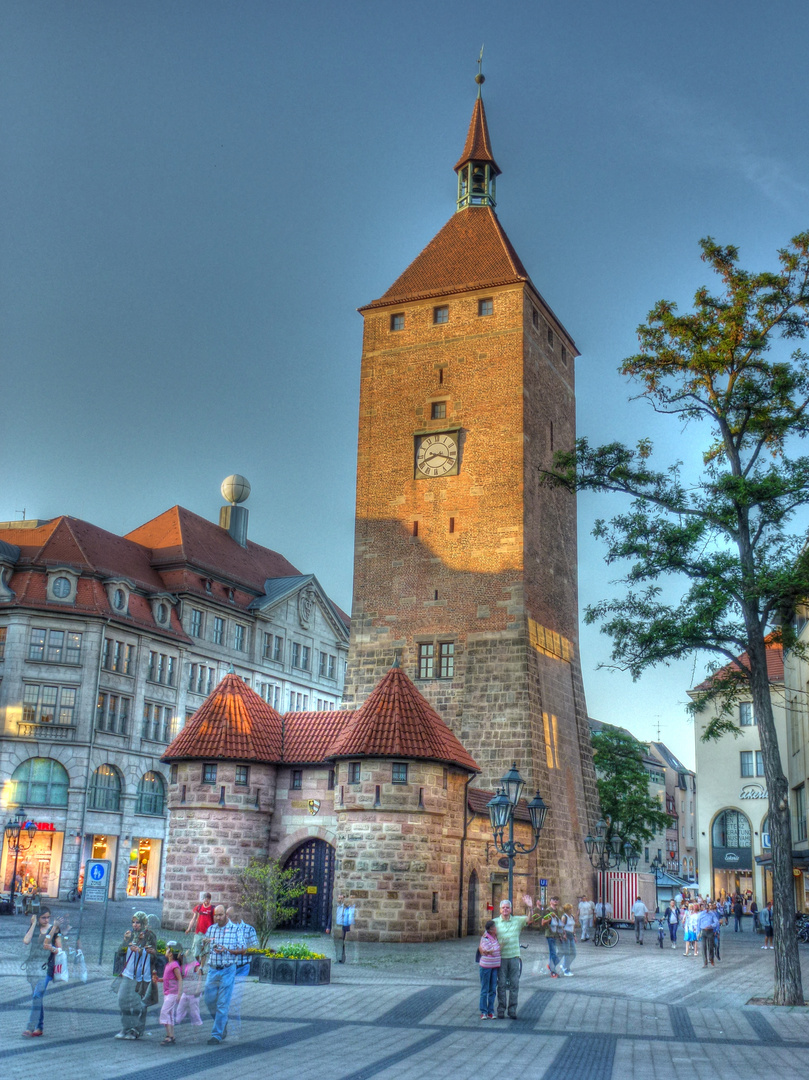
(501, 814)
(607, 855)
(656, 866)
(14, 830)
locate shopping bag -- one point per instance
(60, 966)
(81, 965)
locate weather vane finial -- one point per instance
(480, 78)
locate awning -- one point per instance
(800, 860)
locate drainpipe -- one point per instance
(463, 844)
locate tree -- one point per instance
(623, 788)
(268, 892)
(722, 539)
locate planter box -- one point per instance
(255, 965)
(284, 972)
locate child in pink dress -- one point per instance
(189, 999)
(172, 989)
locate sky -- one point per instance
(196, 197)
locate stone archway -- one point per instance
(314, 859)
(472, 904)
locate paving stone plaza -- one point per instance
(411, 1011)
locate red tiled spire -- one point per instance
(396, 721)
(471, 252)
(232, 724)
(478, 146)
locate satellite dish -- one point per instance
(235, 488)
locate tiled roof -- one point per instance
(308, 736)
(470, 252)
(232, 724)
(775, 668)
(477, 800)
(180, 537)
(396, 721)
(478, 146)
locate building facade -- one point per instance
(732, 802)
(107, 645)
(680, 854)
(465, 558)
(796, 682)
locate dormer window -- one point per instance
(118, 596)
(161, 611)
(62, 585)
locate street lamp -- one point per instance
(606, 851)
(656, 865)
(14, 831)
(501, 815)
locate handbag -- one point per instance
(477, 956)
(60, 973)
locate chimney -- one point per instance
(233, 518)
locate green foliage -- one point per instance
(623, 788)
(296, 950)
(268, 892)
(720, 540)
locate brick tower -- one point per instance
(465, 562)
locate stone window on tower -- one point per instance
(550, 337)
(564, 355)
(353, 772)
(426, 659)
(399, 772)
(297, 779)
(535, 318)
(397, 322)
(438, 410)
(441, 314)
(485, 307)
(446, 659)
(209, 774)
(242, 775)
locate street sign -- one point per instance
(96, 881)
(543, 881)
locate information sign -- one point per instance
(96, 881)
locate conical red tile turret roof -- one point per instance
(478, 145)
(232, 724)
(396, 721)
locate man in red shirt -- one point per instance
(201, 919)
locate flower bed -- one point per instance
(293, 964)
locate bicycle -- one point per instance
(606, 935)
(74, 894)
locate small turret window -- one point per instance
(399, 772)
(397, 322)
(441, 314)
(485, 307)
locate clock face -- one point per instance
(437, 454)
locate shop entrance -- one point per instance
(38, 864)
(143, 876)
(315, 862)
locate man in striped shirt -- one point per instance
(226, 943)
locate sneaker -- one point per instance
(213, 1041)
(129, 1035)
(552, 972)
(674, 946)
(120, 1035)
(484, 1016)
(568, 974)
(490, 1016)
(765, 946)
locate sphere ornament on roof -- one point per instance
(235, 488)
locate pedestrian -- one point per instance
(672, 917)
(49, 943)
(690, 928)
(39, 928)
(249, 940)
(738, 911)
(172, 990)
(640, 913)
(345, 920)
(201, 919)
(567, 937)
(489, 969)
(765, 917)
(754, 913)
(509, 927)
(707, 925)
(727, 907)
(551, 922)
(188, 1005)
(225, 940)
(586, 913)
(718, 931)
(137, 991)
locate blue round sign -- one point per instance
(97, 873)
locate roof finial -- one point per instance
(480, 78)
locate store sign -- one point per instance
(42, 826)
(735, 858)
(753, 791)
(731, 857)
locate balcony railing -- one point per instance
(60, 732)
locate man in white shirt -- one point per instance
(640, 914)
(586, 910)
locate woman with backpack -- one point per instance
(51, 945)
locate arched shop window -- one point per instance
(151, 794)
(105, 789)
(39, 782)
(731, 830)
